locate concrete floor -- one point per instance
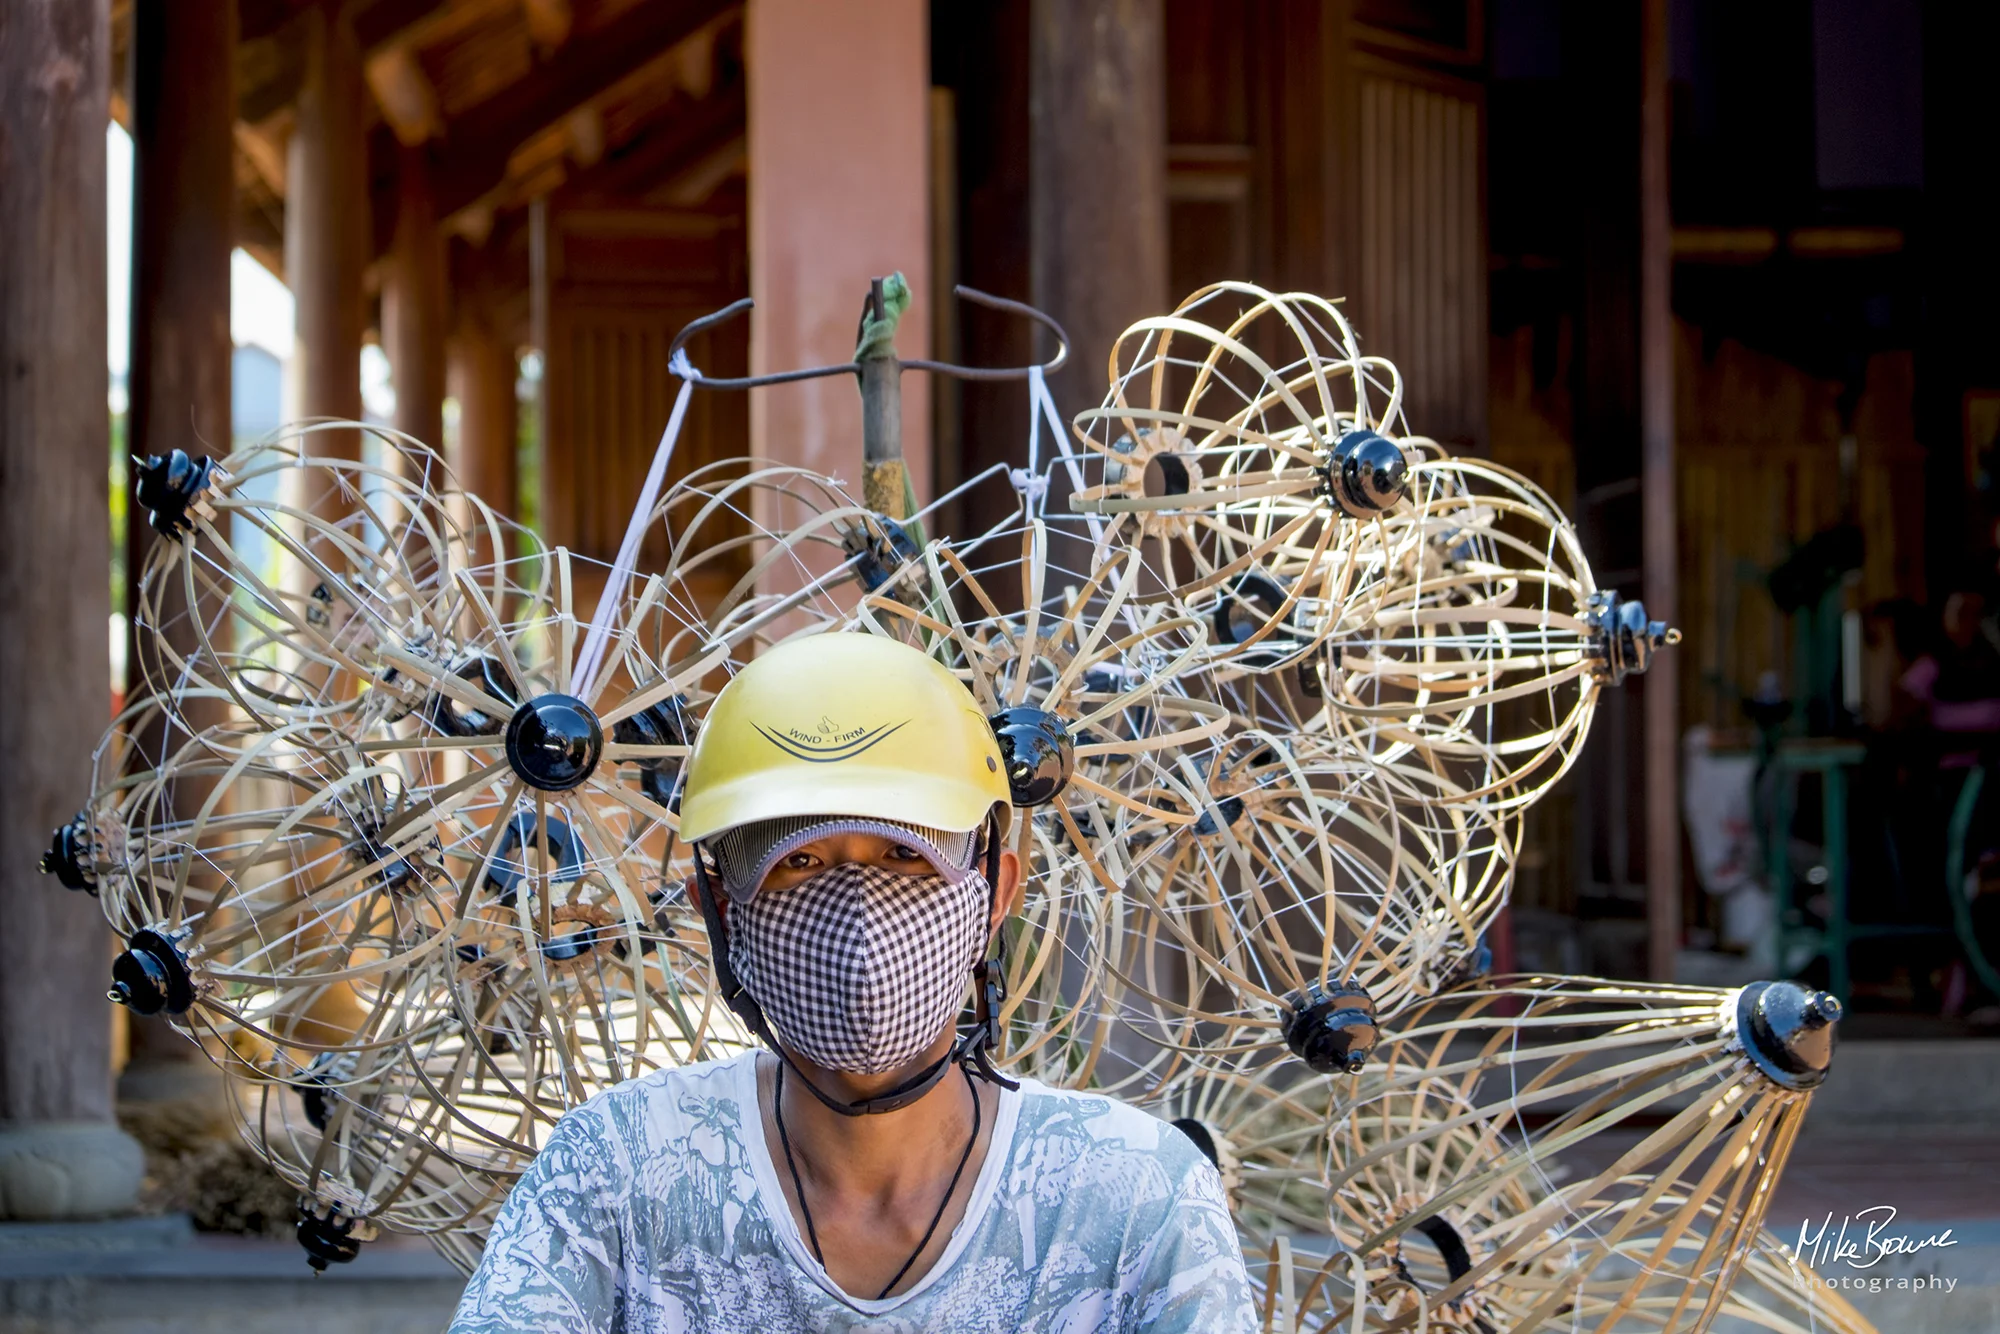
(1916, 1127)
(123, 1278)
(1911, 1122)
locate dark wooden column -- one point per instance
(1658, 492)
(1097, 205)
(1098, 176)
(183, 110)
(183, 197)
(60, 1154)
(413, 299)
(1601, 137)
(326, 224)
(982, 51)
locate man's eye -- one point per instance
(900, 853)
(800, 861)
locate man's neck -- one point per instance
(882, 1194)
(886, 1155)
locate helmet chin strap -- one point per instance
(970, 1050)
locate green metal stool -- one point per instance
(1797, 943)
(1954, 878)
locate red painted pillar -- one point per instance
(839, 193)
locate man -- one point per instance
(847, 803)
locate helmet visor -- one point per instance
(747, 853)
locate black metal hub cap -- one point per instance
(327, 1240)
(1037, 751)
(1365, 473)
(554, 742)
(1331, 1027)
(1787, 1031)
(152, 975)
(168, 487)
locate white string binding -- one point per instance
(1031, 482)
(588, 661)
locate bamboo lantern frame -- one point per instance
(1305, 702)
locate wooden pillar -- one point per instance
(838, 194)
(1657, 481)
(1098, 170)
(326, 226)
(327, 235)
(413, 299)
(482, 373)
(991, 45)
(60, 1154)
(183, 216)
(1097, 201)
(1602, 130)
(184, 191)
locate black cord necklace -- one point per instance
(798, 1186)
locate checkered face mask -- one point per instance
(860, 968)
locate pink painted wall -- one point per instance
(839, 193)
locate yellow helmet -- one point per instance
(843, 724)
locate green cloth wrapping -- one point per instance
(878, 337)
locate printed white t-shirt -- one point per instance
(655, 1207)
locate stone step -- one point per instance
(157, 1276)
(1970, 1304)
(1901, 1086)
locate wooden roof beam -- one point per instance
(664, 159)
(484, 137)
(272, 63)
(693, 185)
(406, 97)
(548, 22)
(375, 21)
(584, 128)
(693, 138)
(265, 152)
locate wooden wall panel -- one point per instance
(1310, 152)
(610, 394)
(1213, 55)
(1422, 291)
(624, 282)
(1530, 424)
(1759, 474)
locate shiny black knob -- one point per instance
(1037, 752)
(69, 857)
(1471, 967)
(664, 723)
(1332, 1028)
(152, 975)
(166, 487)
(1622, 638)
(328, 1241)
(554, 742)
(879, 549)
(320, 1087)
(1787, 1031)
(1366, 474)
